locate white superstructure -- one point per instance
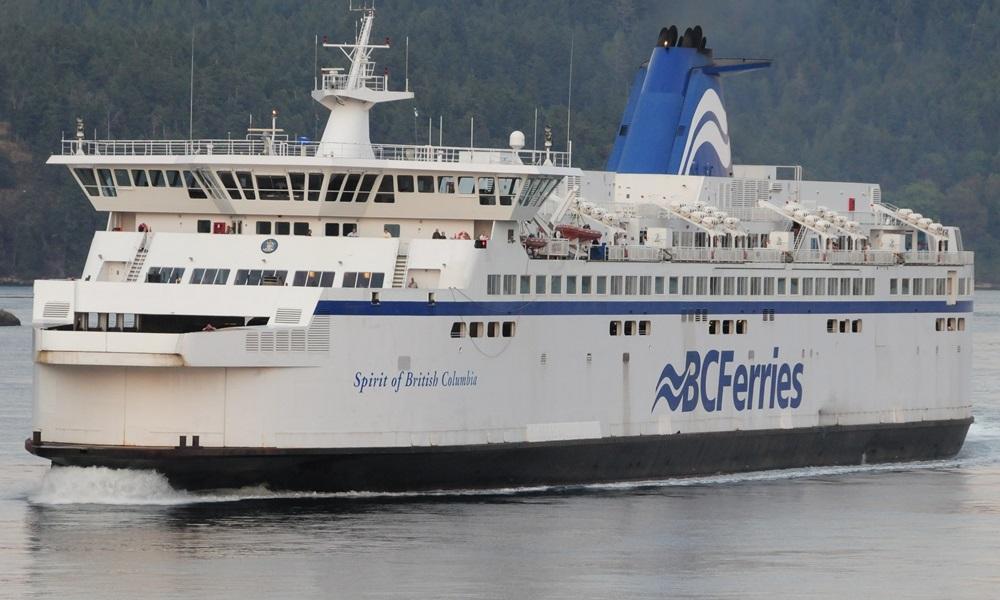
(272, 297)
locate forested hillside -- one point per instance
(896, 92)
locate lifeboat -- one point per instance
(575, 232)
(533, 243)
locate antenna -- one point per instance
(191, 99)
(440, 130)
(569, 99)
(406, 67)
(535, 136)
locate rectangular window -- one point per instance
(458, 329)
(658, 286)
(615, 328)
(845, 286)
(856, 326)
(629, 327)
(425, 184)
(631, 285)
(404, 183)
(918, 286)
(645, 285)
(509, 187)
(807, 286)
(616, 285)
(476, 329)
(602, 285)
(263, 228)
(229, 182)
(755, 286)
(782, 289)
(869, 286)
(272, 187)
(493, 329)
(941, 287)
(282, 228)
(333, 187)
(446, 184)
(174, 179)
(904, 286)
(727, 327)
(332, 229)
(299, 280)
(586, 284)
(392, 229)
(645, 327)
(298, 181)
(157, 179)
(211, 275)
(857, 286)
(555, 286)
(196, 276)
(350, 187)
(831, 325)
(194, 189)
(713, 327)
(245, 180)
(701, 286)
(769, 286)
(301, 228)
(741, 286)
(315, 186)
(540, 284)
(378, 280)
(221, 277)
(487, 190)
(821, 286)
(893, 286)
(728, 286)
(673, 285)
(349, 230)
(687, 286)
(741, 327)
(204, 226)
(139, 177)
(107, 183)
(350, 279)
(325, 279)
(571, 284)
(367, 183)
(509, 283)
(793, 286)
(525, 284)
(493, 285)
(385, 193)
(508, 328)
(122, 178)
(466, 185)
(831, 285)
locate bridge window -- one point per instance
(425, 184)
(298, 181)
(315, 186)
(107, 183)
(508, 189)
(229, 182)
(194, 190)
(272, 187)
(367, 183)
(350, 187)
(385, 192)
(174, 179)
(446, 185)
(404, 183)
(245, 179)
(333, 187)
(466, 185)
(487, 191)
(156, 179)
(122, 178)
(164, 274)
(139, 177)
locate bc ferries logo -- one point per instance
(269, 245)
(710, 126)
(713, 382)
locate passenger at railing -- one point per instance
(437, 235)
(412, 284)
(463, 235)
(353, 233)
(386, 234)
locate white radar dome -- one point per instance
(516, 140)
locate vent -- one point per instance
(252, 342)
(282, 341)
(56, 310)
(267, 341)
(288, 316)
(298, 340)
(318, 334)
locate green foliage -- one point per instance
(904, 93)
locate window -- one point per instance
(194, 190)
(245, 180)
(487, 191)
(893, 287)
(139, 177)
(446, 185)
(556, 284)
(631, 285)
(904, 287)
(845, 286)
(768, 286)
(282, 228)
(263, 228)
(425, 184)
(645, 327)
(326, 279)
(629, 327)
(476, 329)
(586, 284)
(540, 284)
(298, 181)
(509, 328)
(272, 187)
(508, 189)
(204, 226)
(332, 229)
(616, 285)
(385, 193)
(658, 285)
(713, 327)
(367, 183)
(122, 178)
(229, 182)
(466, 185)
(525, 284)
(333, 187)
(458, 329)
(701, 286)
(831, 325)
(782, 286)
(941, 286)
(821, 286)
(156, 179)
(728, 286)
(856, 326)
(493, 329)
(315, 186)
(350, 229)
(741, 327)
(869, 286)
(392, 229)
(615, 328)
(174, 179)
(687, 286)
(857, 286)
(404, 183)
(107, 183)
(755, 286)
(831, 286)
(602, 284)
(350, 187)
(727, 327)
(918, 286)
(807, 286)
(673, 285)
(793, 286)
(509, 283)
(492, 285)
(571, 284)
(301, 228)
(715, 286)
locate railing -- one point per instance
(771, 255)
(338, 81)
(280, 147)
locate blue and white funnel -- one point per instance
(675, 120)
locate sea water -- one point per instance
(918, 530)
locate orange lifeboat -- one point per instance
(575, 232)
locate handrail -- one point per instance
(633, 253)
(280, 147)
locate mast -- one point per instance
(350, 95)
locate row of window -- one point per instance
(630, 328)
(253, 277)
(927, 286)
(165, 274)
(476, 329)
(646, 285)
(843, 326)
(949, 324)
(104, 182)
(727, 327)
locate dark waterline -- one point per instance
(926, 530)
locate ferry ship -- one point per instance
(343, 314)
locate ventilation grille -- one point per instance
(55, 310)
(288, 316)
(314, 339)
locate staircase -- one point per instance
(399, 272)
(137, 263)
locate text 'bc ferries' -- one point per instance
(352, 315)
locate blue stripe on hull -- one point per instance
(646, 307)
